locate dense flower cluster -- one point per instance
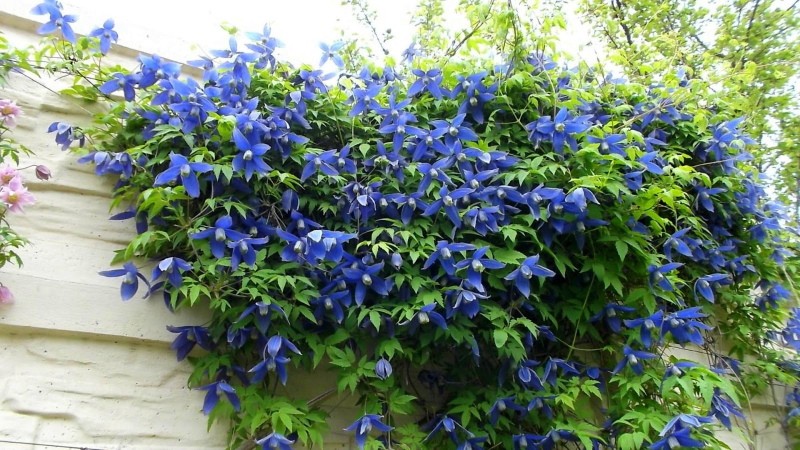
(477, 233)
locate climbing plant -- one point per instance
(481, 255)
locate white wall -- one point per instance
(78, 366)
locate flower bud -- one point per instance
(43, 173)
(6, 297)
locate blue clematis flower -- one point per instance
(472, 443)
(646, 326)
(683, 328)
(407, 204)
(610, 144)
(180, 167)
(502, 405)
(540, 403)
(435, 171)
(676, 242)
(723, 409)
(106, 34)
(264, 45)
(66, 134)
(126, 82)
(522, 275)
(262, 314)
(173, 267)
(453, 130)
(130, 279)
(366, 278)
(275, 441)
(683, 421)
(243, 251)
(554, 438)
(334, 303)
(558, 131)
(390, 163)
(554, 365)
(215, 391)
(610, 313)
(526, 441)
(383, 369)
(188, 337)
(222, 233)
(364, 99)
(447, 201)
(365, 425)
(427, 81)
(704, 197)
(448, 425)
(678, 369)
(275, 359)
(658, 278)
(250, 158)
(465, 302)
(676, 440)
(329, 162)
(631, 358)
(444, 255)
(475, 266)
(331, 53)
(313, 82)
(424, 316)
(705, 284)
(58, 21)
(527, 375)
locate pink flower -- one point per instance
(9, 113)
(7, 173)
(6, 297)
(15, 195)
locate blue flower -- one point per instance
(678, 369)
(222, 233)
(365, 425)
(58, 21)
(554, 437)
(313, 81)
(527, 270)
(453, 130)
(444, 255)
(427, 81)
(180, 167)
(610, 314)
(683, 421)
(262, 314)
(704, 197)
(364, 99)
(448, 425)
(447, 201)
(646, 326)
(475, 266)
(66, 134)
(501, 405)
(331, 53)
(527, 375)
(559, 131)
(250, 157)
(723, 409)
(705, 284)
(215, 391)
(465, 302)
(383, 369)
(173, 267)
(329, 162)
(126, 82)
(424, 316)
(275, 359)
(130, 280)
(407, 204)
(526, 441)
(632, 359)
(366, 278)
(335, 303)
(683, 328)
(243, 251)
(106, 34)
(676, 440)
(658, 278)
(472, 443)
(188, 337)
(435, 171)
(264, 45)
(275, 441)
(610, 144)
(541, 404)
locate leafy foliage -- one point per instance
(508, 256)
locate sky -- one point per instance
(183, 29)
